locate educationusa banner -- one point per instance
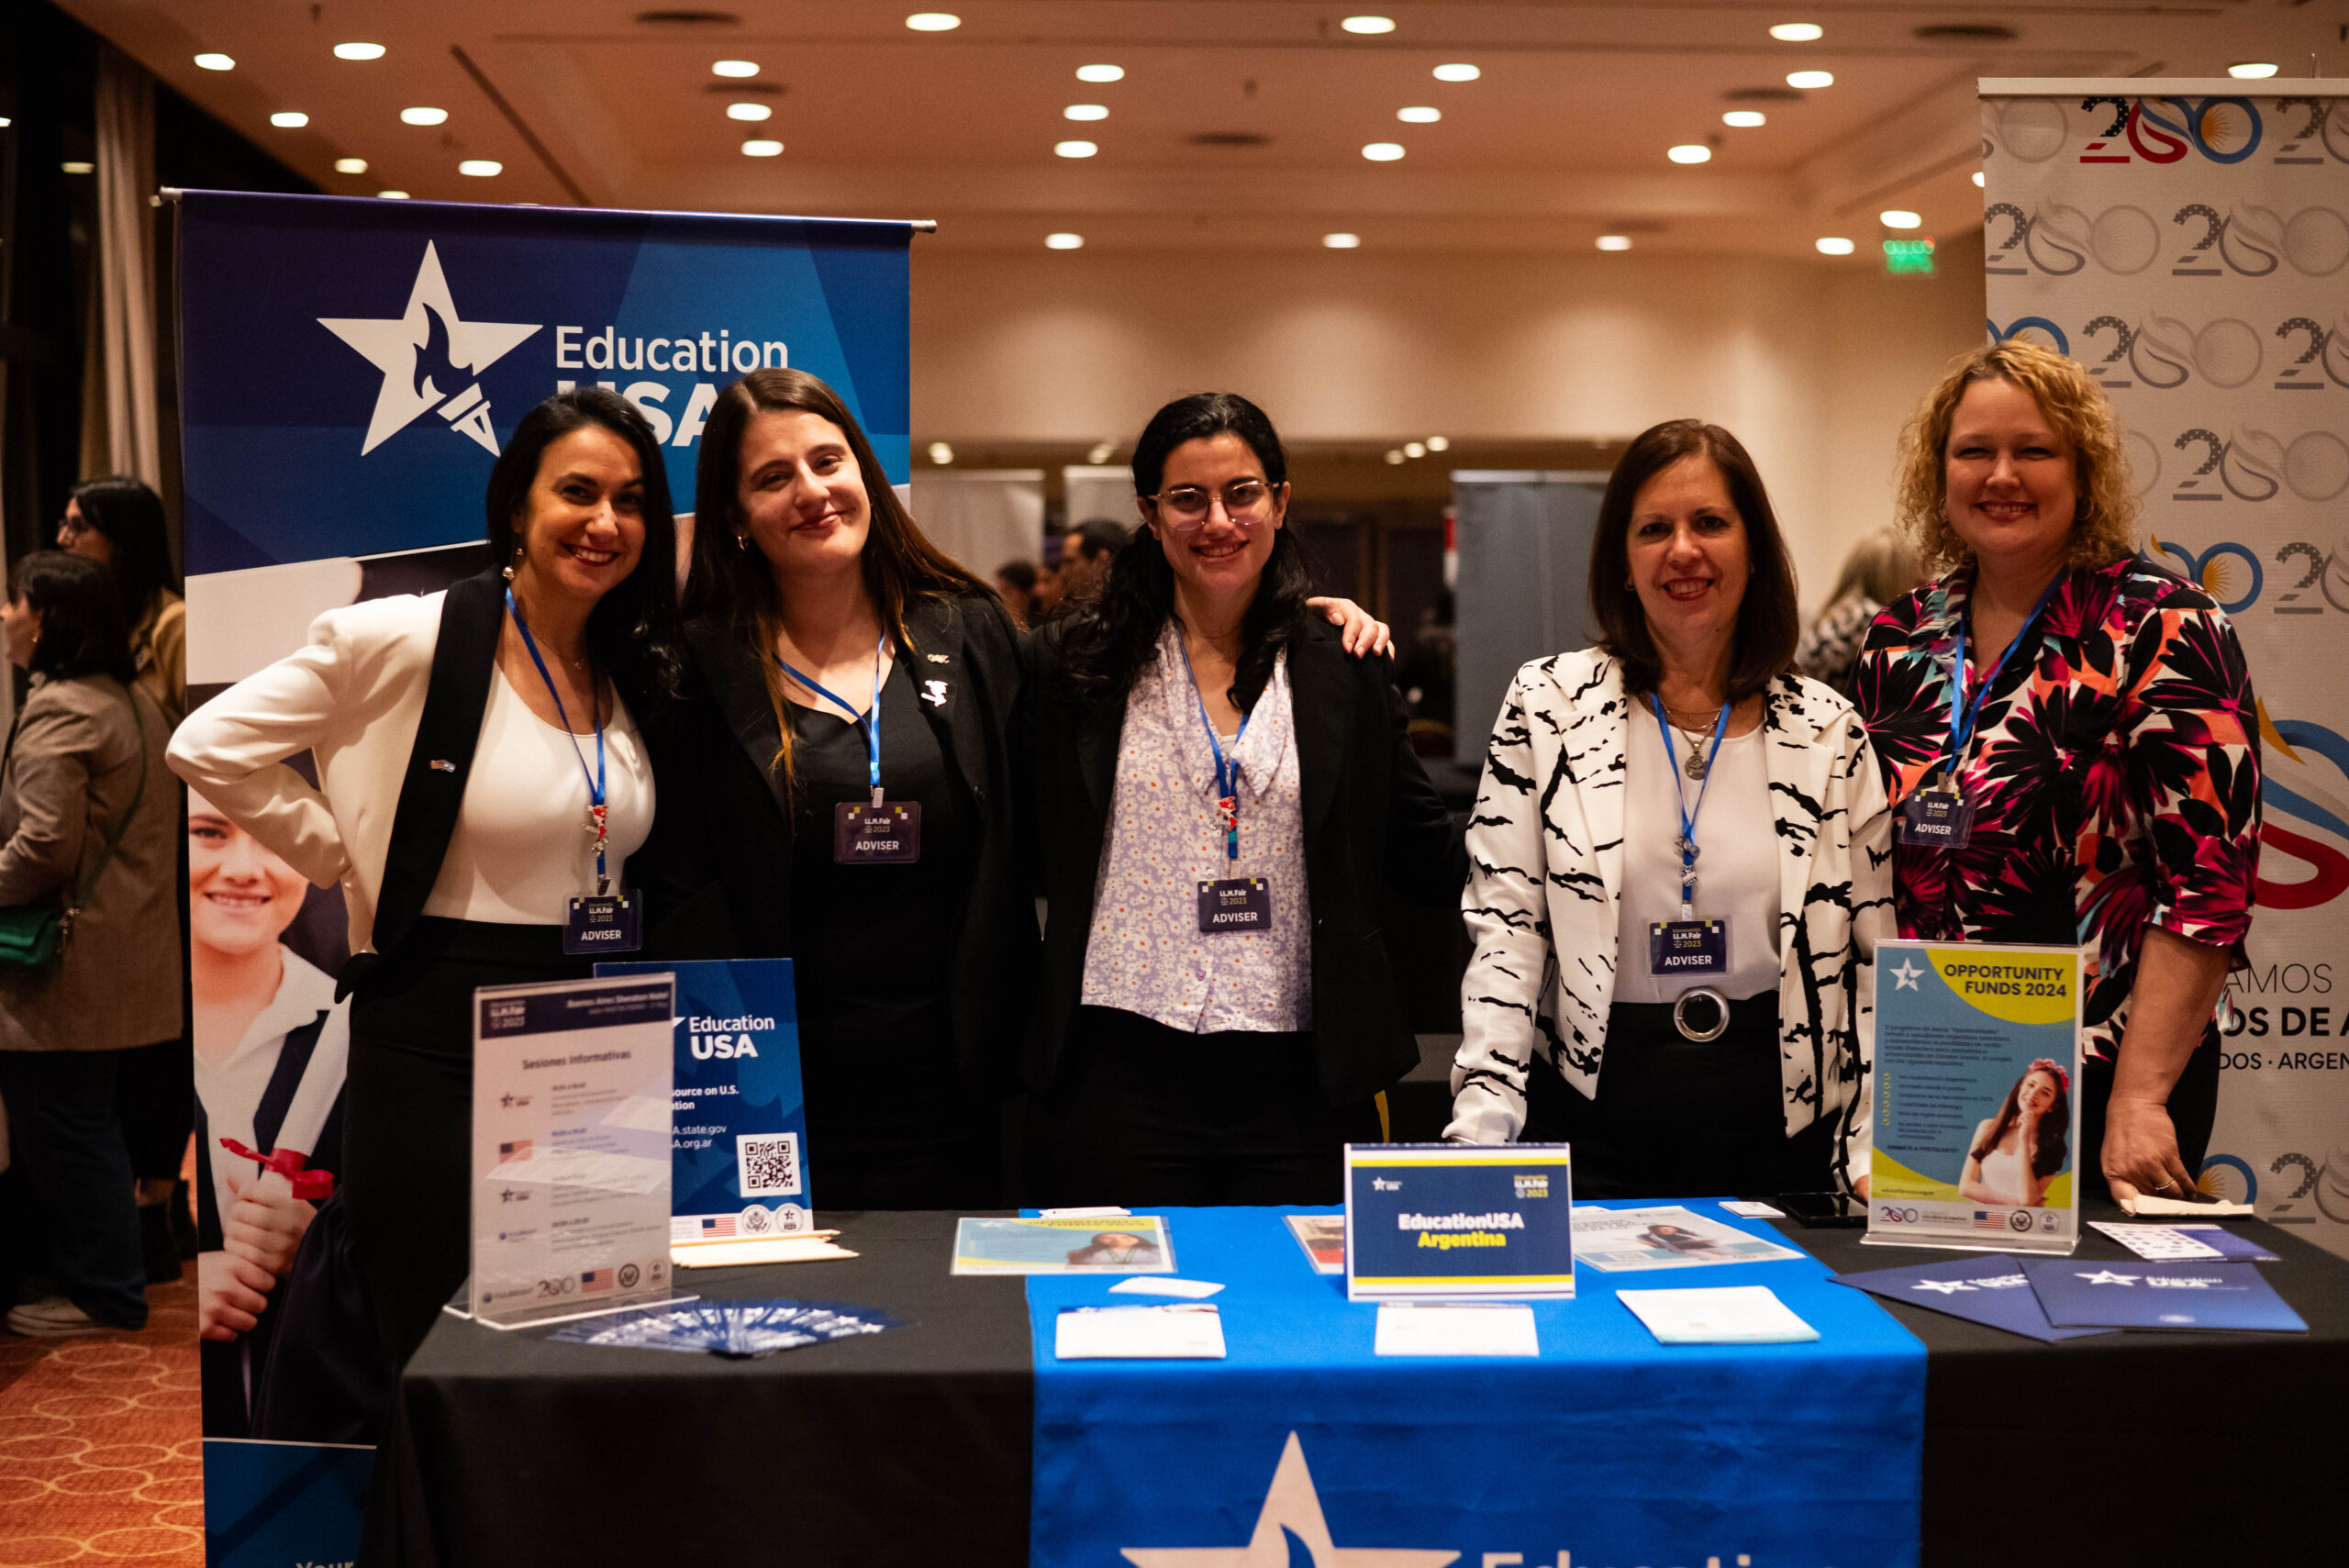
(2189, 243)
(350, 371)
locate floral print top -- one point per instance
(2114, 774)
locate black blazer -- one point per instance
(464, 664)
(1372, 820)
(966, 647)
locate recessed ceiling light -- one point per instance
(1977, 179)
(1418, 113)
(940, 453)
(481, 168)
(933, 21)
(1797, 32)
(1383, 151)
(1459, 71)
(421, 115)
(733, 67)
(761, 147)
(1343, 241)
(2252, 71)
(1415, 449)
(1614, 242)
(1085, 112)
(1439, 443)
(1746, 119)
(289, 119)
(1074, 149)
(351, 165)
(1395, 454)
(1063, 241)
(1835, 245)
(1100, 73)
(1899, 217)
(1368, 24)
(391, 195)
(78, 166)
(1810, 79)
(750, 111)
(216, 63)
(1690, 152)
(359, 51)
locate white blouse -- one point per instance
(1146, 954)
(521, 849)
(1737, 865)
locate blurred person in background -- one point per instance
(1879, 570)
(1085, 553)
(1015, 584)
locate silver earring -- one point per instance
(508, 573)
(741, 542)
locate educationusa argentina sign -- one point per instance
(350, 368)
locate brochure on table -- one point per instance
(1987, 1290)
(1444, 1221)
(570, 1148)
(1323, 1238)
(1066, 1244)
(1618, 1240)
(2144, 1295)
(1976, 1109)
(738, 1142)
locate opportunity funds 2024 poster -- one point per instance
(350, 370)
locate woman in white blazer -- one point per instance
(1679, 866)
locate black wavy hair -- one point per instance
(130, 515)
(81, 628)
(632, 630)
(1110, 640)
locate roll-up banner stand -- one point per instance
(2189, 243)
(350, 370)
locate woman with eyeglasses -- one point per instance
(1223, 794)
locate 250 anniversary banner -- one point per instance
(2189, 244)
(350, 371)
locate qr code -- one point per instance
(768, 1166)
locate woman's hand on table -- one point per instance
(2140, 1150)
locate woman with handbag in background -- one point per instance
(89, 932)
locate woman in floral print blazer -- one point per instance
(1556, 895)
(2113, 768)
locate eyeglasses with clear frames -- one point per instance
(1187, 507)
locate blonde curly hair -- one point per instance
(2106, 528)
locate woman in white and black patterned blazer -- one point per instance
(1687, 1045)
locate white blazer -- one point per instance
(1545, 888)
(352, 696)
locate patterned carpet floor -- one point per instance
(101, 1451)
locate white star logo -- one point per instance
(1290, 1533)
(2105, 1276)
(1946, 1286)
(1906, 974)
(430, 359)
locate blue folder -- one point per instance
(1988, 1289)
(2143, 1295)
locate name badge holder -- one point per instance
(603, 921)
(1689, 946)
(1939, 815)
(1234, 903)
(883, 831)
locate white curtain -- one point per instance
(1098, 490)
(984, 517)
(126, 275)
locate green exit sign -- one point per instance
(1908, 256)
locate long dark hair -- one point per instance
(81, 629)
(732, 586)
(1769, 617)
(632, 630)
(130, 515)
(1110, 640)
(2051, 1140)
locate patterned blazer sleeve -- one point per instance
(1508, 918)
(1869, 845)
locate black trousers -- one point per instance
(66, 1139)
(408, 1107)
(2193, 1109)
(154, 1093)
(1148, 1115)
(1674, 1118)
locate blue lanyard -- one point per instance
(597, 818)
(1686, 842)
(1227, 770)
(869, 723)
(1964, 711)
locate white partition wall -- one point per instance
(1524, 545)
(982, 516)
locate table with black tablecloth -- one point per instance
(914, 1446)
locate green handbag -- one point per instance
(32, 934)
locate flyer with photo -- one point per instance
(1085, 1244)
(1323, 1237)
(1976, 1109)
(1619, 1240)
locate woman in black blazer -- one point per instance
(1221, 792)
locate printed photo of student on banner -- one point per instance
(350, 373)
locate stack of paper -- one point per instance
(1434, 1328)
(1733, 1314)
(1176, 1331)
(1673, 1238)
(737, 1329)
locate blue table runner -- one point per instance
(1610, 1451)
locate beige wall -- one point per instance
(1812, 365)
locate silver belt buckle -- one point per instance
(1680, 1014)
